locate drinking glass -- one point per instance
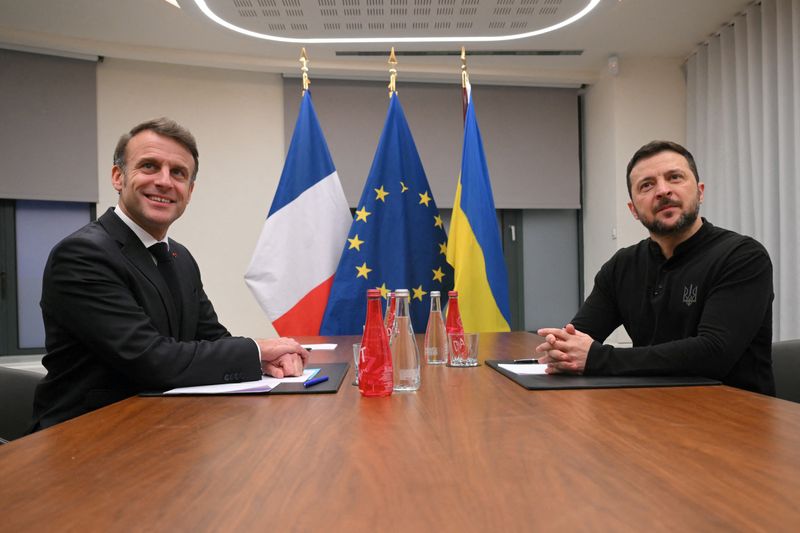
(356, 352)
(463, 349)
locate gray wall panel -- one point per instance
(550, 258)
(48, 131)
(39, 225)
(530, 136)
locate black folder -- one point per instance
(568, 381)
(334, 371)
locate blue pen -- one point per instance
(312, 382)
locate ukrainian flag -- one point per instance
(474, 248)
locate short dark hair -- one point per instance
(162, 126)
(656, 147)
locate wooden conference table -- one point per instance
(470, 451)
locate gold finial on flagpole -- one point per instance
(304, 70)
(392, 73)
(464, 75)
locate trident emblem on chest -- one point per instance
(689, 295)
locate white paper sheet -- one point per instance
(308, 373)
(524, 369)
(265, 384)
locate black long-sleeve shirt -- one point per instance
(705, 311)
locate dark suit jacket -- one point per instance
(112, 329)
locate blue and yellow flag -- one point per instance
(397, 240)
(474, 249)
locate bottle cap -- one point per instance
(401, 292)
(452, 294)
(373, 293)
(435, 293)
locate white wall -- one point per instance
(646, 101)
(600, 177)
(237, 119)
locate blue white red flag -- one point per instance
(291, 271)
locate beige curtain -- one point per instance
(743, 120)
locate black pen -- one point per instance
(312, 382)
(526, 361)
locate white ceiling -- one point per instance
(394, 21)
(154, 30)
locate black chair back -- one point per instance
(16, 401)
(786, 368)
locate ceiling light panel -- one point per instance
(394, 21)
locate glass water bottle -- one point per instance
(436, 335)
(405, 352)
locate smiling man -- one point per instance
(123, 305)
(694, 298)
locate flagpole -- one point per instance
(464, 83)
(396, 202)
(294, 295)
(474, 247)
(304, 70)
(392, 73)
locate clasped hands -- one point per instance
(282, 357)
(564, 350)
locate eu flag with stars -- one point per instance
(397, 239)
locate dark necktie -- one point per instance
(166, 267)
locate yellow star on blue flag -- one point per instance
(404, 247)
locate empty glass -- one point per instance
(463, 349)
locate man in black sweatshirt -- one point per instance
(694, 298)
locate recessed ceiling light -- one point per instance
(591, 4)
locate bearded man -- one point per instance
(694, 298)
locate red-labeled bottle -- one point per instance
(375, 360)
(455, 329)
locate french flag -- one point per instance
(291, 272)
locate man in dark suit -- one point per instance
(123, 305)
